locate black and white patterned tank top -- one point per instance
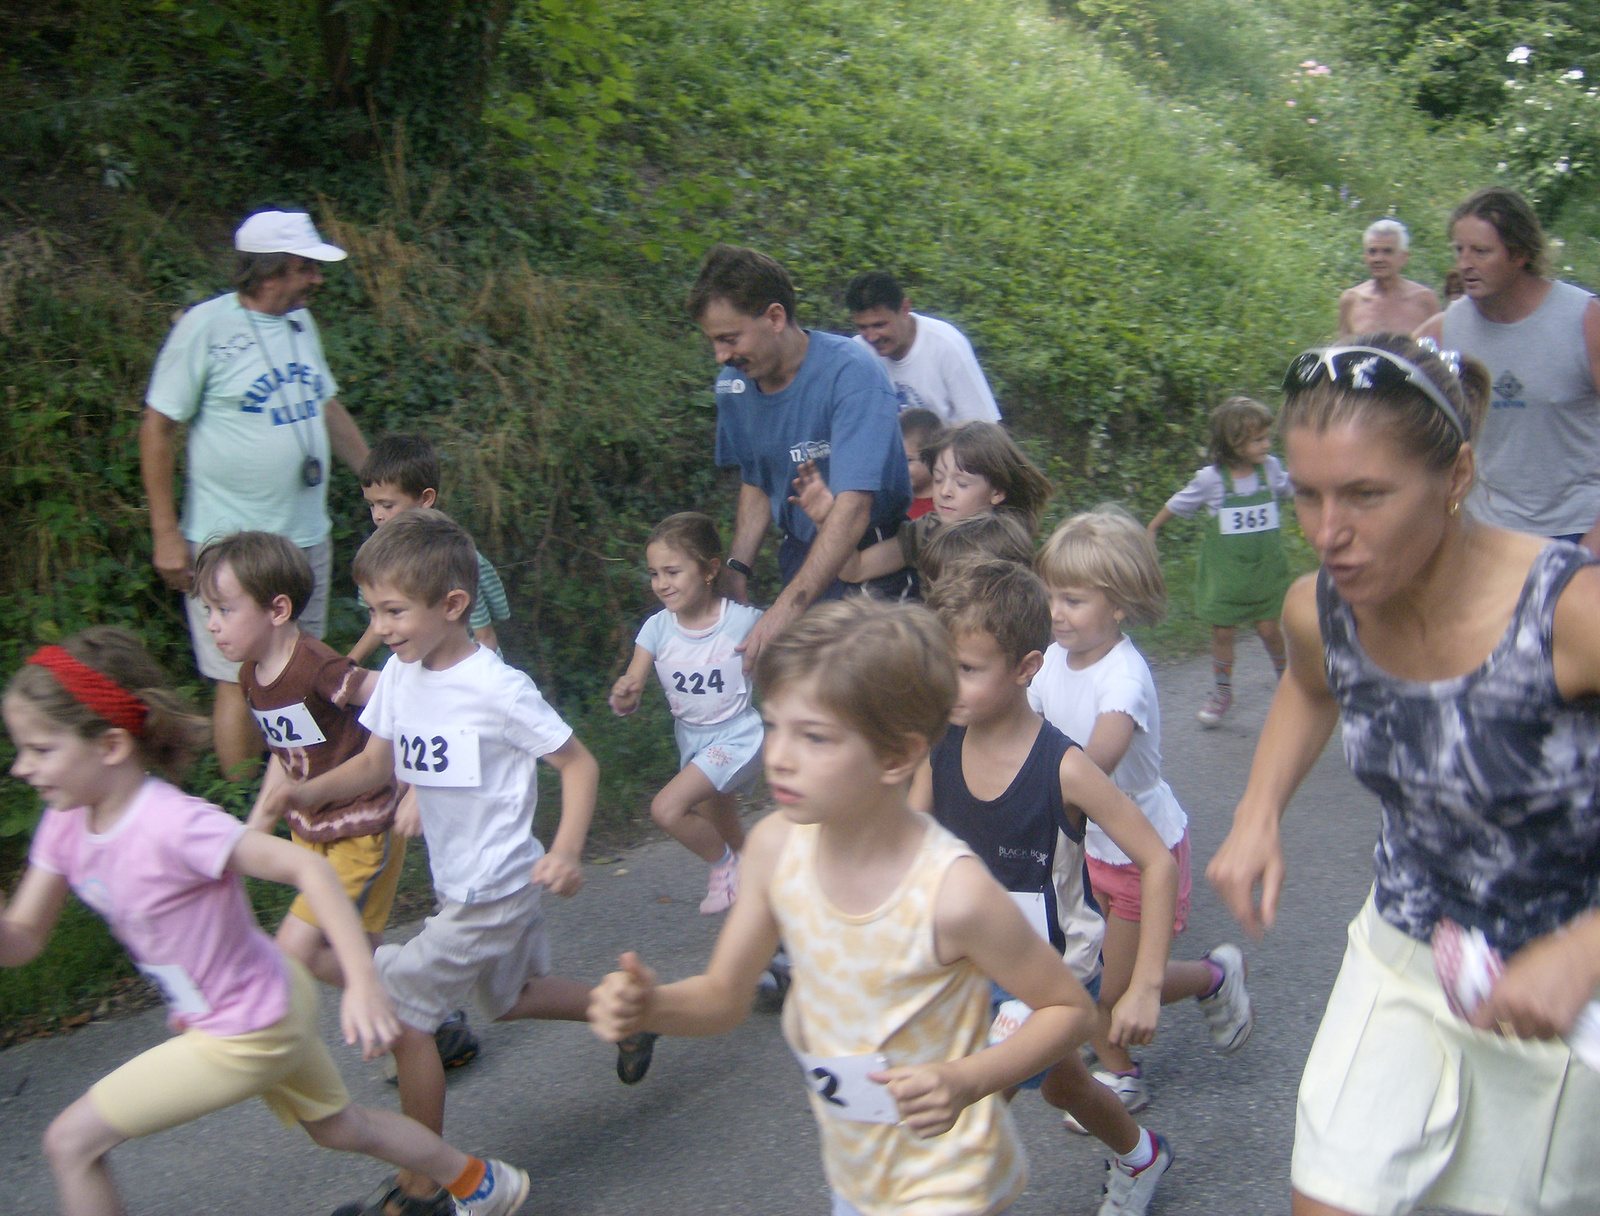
(1490, 782)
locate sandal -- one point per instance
(389, 1200)
(633, 1057)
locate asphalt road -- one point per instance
(722, 1125)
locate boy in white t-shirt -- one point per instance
(466, 730)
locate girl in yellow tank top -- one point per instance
(894, 930)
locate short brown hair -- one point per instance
(886, 669)
(747, 279)
(923, 427)
(692, 534)
(172, 731)
(1511, 216)
(1000, 598)
(1234, 424)
(1417, 423)
(998, 534)
(265, 564)
(986, 449)
(408, 462)
(423, 553)
(1109, 549)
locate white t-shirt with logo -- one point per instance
(940, 373)
(701, 673)
(469, 739)
(251, 388)
(1072, 702)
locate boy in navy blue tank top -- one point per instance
(1018, 792)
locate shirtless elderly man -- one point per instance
(1385, 303)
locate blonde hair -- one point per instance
(1000, 598)
(888, 670)
(1109, 549)
(172, 733)
(422, 553)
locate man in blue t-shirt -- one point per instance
(786, 396)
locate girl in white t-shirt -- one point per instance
(693, 644)
(89, 718)
(1095, 687)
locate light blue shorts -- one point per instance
(728, 752)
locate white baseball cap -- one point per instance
(285, 232)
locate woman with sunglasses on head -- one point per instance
(1464, 662)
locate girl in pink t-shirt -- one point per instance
(89, 718)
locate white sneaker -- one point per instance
(1229, 1015)
(1132, 1090)
(722, 886)
(1128, 1194)
(503, 1190)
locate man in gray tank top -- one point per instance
(1539, 453)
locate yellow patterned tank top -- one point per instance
(873, 985)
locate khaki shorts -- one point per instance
(1405, 1105)
(314, 620)
(369, 871)
(194, 1073)
(485, 950)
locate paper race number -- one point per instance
(442, 756)
(290, 726)
(1032, 905)
(1263, 517)
(841, 1082)
(178, 989)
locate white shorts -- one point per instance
(1404, 1105)
(729, 753)
(484, 950)
(314, 620)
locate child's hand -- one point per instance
(408, 815)
(1134, 1018)
(274, 800)
(811, 493)
(619, 1003)
(625, 694)
(930, 1096)
(558, 874)
(262, 819)
(366, 1015)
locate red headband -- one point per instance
(90, 688)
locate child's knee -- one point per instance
(666, 810)
(342, 1132)
(78, 1137)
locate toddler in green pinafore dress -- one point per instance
(1242, 573)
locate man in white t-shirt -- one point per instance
(929, 361)
(244, 374)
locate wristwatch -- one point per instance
(738, 567)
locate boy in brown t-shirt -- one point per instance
(307, 698)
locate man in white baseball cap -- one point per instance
(248, 365)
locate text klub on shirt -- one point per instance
(469, 739)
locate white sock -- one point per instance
(727, 852)
(1141, 1154)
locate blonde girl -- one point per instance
(1096, 688)
(693, 645)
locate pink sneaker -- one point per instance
(722, 887)
(1219, 702)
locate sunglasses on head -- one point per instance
(1366, 369)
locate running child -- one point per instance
(988, 534)
(402, 473)
(1242, 573)
(307, 698)
(976, 467)
(89, 718)
(894, 927)
(1094, 685)
(466, 731)
(919, 430)
(691, 643)
(1019, 793)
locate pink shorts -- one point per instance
(1116, 888)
